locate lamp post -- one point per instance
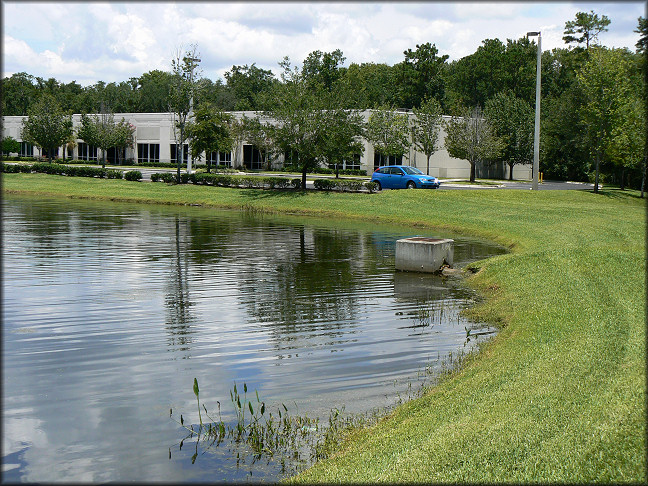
(536, 135)
(194, 61)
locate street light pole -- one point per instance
(536, 135)
(193, 61)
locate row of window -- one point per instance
(150, 152)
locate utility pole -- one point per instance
(536, 135)
(194, 61)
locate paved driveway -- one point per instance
(546, 185)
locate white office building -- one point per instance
(155, 141)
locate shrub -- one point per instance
(247, 181)
(12, 168)
(184, 178)
(371, 186)
(133, 175)
(114, 174)
(168, 177)
(278, 182)
(350, 185)
(224, 180)
(325, 184)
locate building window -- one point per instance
(86, 152)
(353, 164)
(148, 152)
(174, 153)
(380, 159)
(220, 158)
(252, 157)
(55, 152)
(26, 149)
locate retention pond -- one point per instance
(110, 311)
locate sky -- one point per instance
(88, 42)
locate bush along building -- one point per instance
(155, 142)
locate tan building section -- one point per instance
(155, 141)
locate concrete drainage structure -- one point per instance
(420, 254)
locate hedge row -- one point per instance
(343, 185)
(253, 182)
(324, 170)
(58, 169)
(223, 180)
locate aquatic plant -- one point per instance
(294, 440)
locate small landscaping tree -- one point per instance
(209, 132)
(470, 137)
(124, 137)
(181, 97)
(102, 132)
(47, 127)
(512, 120)
(298, 110)
(388, 131)
(10, 145)
(260, 134)
(425, 128)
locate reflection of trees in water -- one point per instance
(61, 224)
(308, 287)
(177, 301)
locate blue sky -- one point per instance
(111, 41)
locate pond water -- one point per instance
(110, 311)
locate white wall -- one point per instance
(158, 128)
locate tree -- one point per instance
(10, 145)
(642, 28)
(471, 137)
(237, 132)
(585, 28)
(47, 125)
(18, 94)
(628, 140)
(642, 48)
(343, 128)
(368, 85)
(564, 155)
(605, 83)
(259, 134)
(152, 91)
(388, 132)
(299, 111)
(209, 132)
(247, 83)
(420, 75)
(181, 97)
(99, 131)
(425, 128)
(478, 77)
(124, 136)
(323, 68)
(512, 119)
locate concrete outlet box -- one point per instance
(420, 254)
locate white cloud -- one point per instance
(112, 41)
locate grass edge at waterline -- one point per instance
(558, 395)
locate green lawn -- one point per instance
(558, 396)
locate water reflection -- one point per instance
(177, 302)
(110, 311)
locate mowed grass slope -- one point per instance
(560, 393)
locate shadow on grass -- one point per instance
(265, 194)
(619, 194)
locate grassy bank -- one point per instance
(558, 395)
